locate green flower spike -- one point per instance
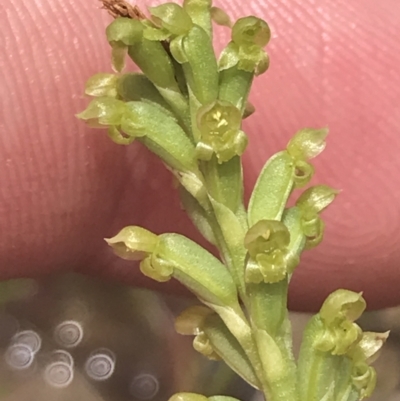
(267, 243)
(219, 124)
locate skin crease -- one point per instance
(65, 187)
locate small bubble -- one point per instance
(59, 374)
(19, 356)
(100, 365)
(29, 338)
(68, 334)
(60, 355)
(144, 386)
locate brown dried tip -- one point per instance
(121, 8)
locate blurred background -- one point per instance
(71, 337)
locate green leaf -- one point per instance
(234, 87)
(102, 84)
(317, 370)
(272, 189)
(233, 236)
(136, 86)
(229, 349)
(268, 305)
(201, 69)
(197, 214)
(225, 182)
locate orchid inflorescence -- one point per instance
(187, 107)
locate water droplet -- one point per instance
(144, 386)
(29, 338)
(68, 334)
(100, 365)
(59, 374)
(19, 356)
(60, 355)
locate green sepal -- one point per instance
(102, 84)
(103, 112)
(122, 33)
(220, 17)
(307, 143)
(125, 30)
(133, 243)
(153, 32)
(172, 17)
(229, 349)
(200, 13)
(272, 189)
(315, 199)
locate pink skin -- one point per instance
(65, 187)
